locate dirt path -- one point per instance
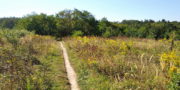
(70, 71)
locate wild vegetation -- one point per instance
(125, 63)
(30, 62)
(131, 54)
(83, 23)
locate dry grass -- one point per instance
(129, 63)
(30, 62)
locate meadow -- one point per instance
(122, 63)
(129, 54)
(34, 62)
(30, 62)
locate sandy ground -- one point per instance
(70, 71)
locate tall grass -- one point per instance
(126, 63)
(30, 62)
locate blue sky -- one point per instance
(113, 10)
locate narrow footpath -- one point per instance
(70, 71)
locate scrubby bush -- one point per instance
(13, 36)
(77, 33)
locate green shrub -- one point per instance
(175, 82)
(77, 33)
(13, 36)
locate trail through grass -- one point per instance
(70, 71)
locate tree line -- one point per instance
(83, 23)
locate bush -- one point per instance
(175, 82)
(77, 33)
(13, 36)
